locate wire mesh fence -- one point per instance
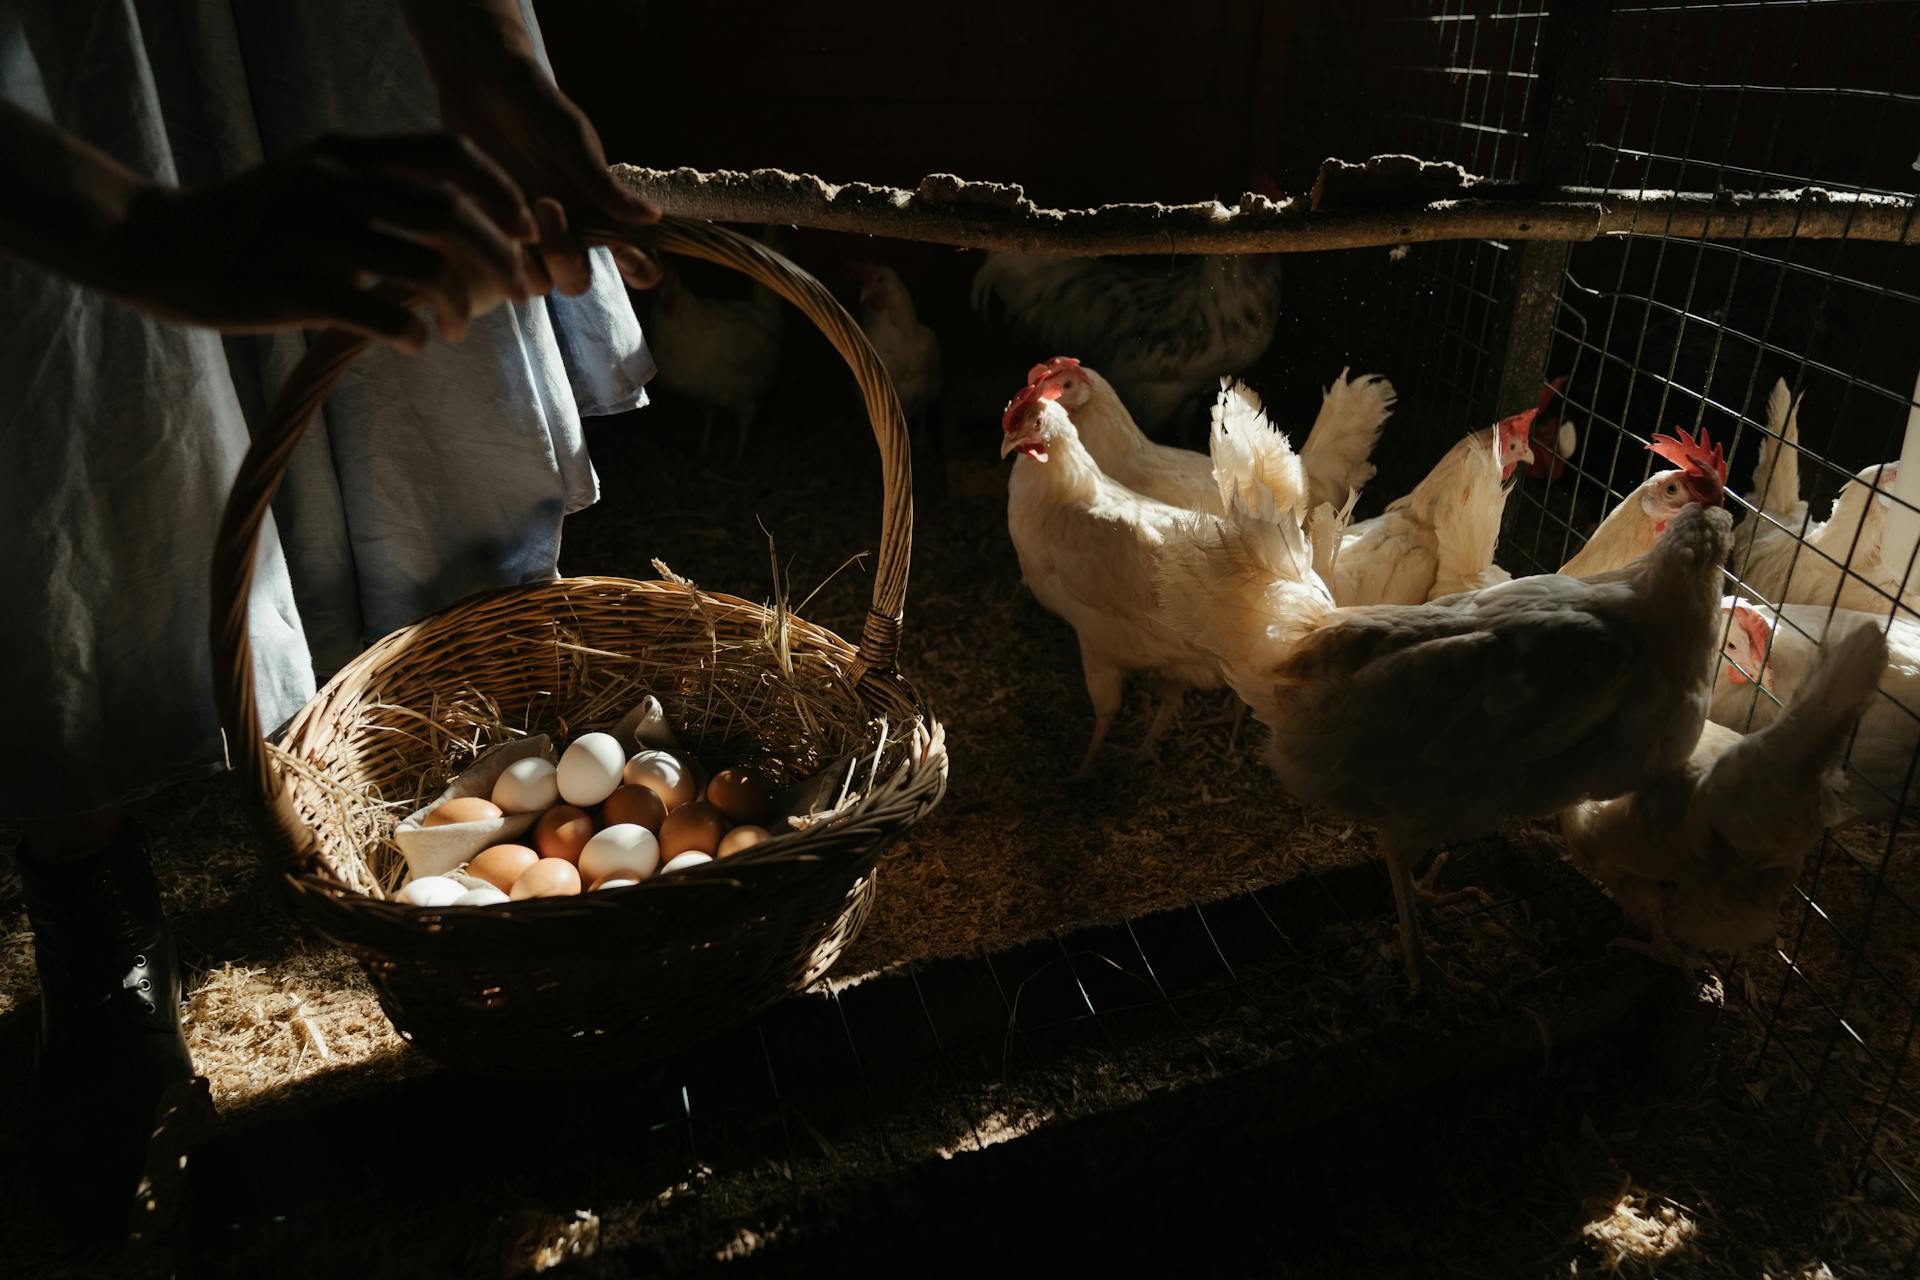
(1657, 331)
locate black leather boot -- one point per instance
(110, 1040)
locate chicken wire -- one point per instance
(1656, 331)
(1472, 104)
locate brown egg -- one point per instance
(502, 865)
(743, 838)
(743, 795)
(692, 826)
(547, 878)
(637, 805)
(461, 809)
(664, 774)
(562, 832)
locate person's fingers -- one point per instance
(387, 255)
(565, 256)
(582, 162)
(607, 195)
(442, 157)
(364, 256)
(341, 306)
(637, 267)
(438, 213)
(534, 267)
(452, 302)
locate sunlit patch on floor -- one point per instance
(995, 1128)
(1638, 1231)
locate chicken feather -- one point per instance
(1702, 857)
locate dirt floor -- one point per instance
(1579, 1164)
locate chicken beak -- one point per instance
(1032, 446)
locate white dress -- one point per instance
(428, 477)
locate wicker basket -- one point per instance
(608, 979)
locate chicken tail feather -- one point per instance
(1805, 743)
(1255, 466)
(1336, 453)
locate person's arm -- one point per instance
(299, 242)
(493, 89)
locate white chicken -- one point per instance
(1783, 647)
(1702, 858)
(909, 349)
(1440, 538)
(1088, 549)
(720, 354)
(1840, 562)
(1631, 527)
(1435, 721)
(1163, 330)
(1335, 455)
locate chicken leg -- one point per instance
(1400, 856)
(744, 421)
(1167, 698)
(1104, 686)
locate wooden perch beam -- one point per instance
(989, 215)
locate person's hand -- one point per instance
(319, 238)
(517, 115)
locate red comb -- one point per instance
(1749, 620)
(1700, 457)
(1024, 397)
(1046, 367)
(1553, 389)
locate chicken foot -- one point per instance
(1426, 888)
(1233, 713)
(1421, 968)
(1659, 947)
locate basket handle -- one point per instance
(331, 351)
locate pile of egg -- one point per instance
(606, 820)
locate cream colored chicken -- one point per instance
(1089, 549)
(1701, 858)
(1335, 455)
(1440, 538)
(1779, 557)
(909, 349)
(1631, 527)
(1164, 329)
(1433, 722)
(1783, 648)
(721, 354)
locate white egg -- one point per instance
(691, 858)
(627, 849)
(614, 882)
(431, 891)
(528, 785)
(479, 898)
(590, 769)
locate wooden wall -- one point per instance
(1079, 100)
